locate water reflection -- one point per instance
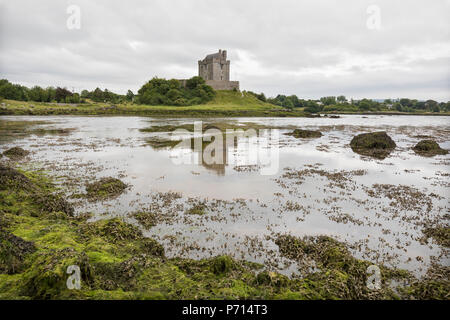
(215, 150)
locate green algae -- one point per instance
(198, 209)
(146, 219)
(339, 275)
(304, 134)
(440, 234)
(118, 262)
(105, 188)
(158, 143)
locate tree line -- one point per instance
(18, 92)
(342, 104)
(157, 91)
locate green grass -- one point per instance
(225, 104)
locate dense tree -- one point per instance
(289, 102)
(259, 96)
(85, 94)
(364, 105)
(341, 99)
(171, 92)
(61, 94)
(130, 95)
(406, 103)
(328, 100)
(13, 91)
(312, 106)
(430, 105)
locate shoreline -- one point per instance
(195, 113)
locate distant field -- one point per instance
(226, 103)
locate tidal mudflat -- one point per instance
(392, 211)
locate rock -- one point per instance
(263, 278)
(12, 179)
(300, 133)
(13, 251)
(222, 265)
(52, 203)
(47, 277)
(16, 153)
(152, 247)
(375, 144)
(429, 148)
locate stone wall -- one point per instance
(223, 85)
(217, 84)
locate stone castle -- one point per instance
(215, 69)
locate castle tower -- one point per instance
(215, 69)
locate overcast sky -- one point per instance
(309, 48)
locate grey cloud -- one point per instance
(308, 48)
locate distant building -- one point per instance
(215, 69)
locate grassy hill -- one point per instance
(225, 104)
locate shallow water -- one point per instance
(245, 207)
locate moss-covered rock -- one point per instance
(16, 153)
(341, 275)
(37, 191)
(305, 134)
(114, 230)
(221, 265)
(267, 278)
(263, 278)
(105, 188)
(151, 247)
(375, 144)
(429, 148)
(47, 277)
(11, 179)
(13, 251)
(53, 203)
